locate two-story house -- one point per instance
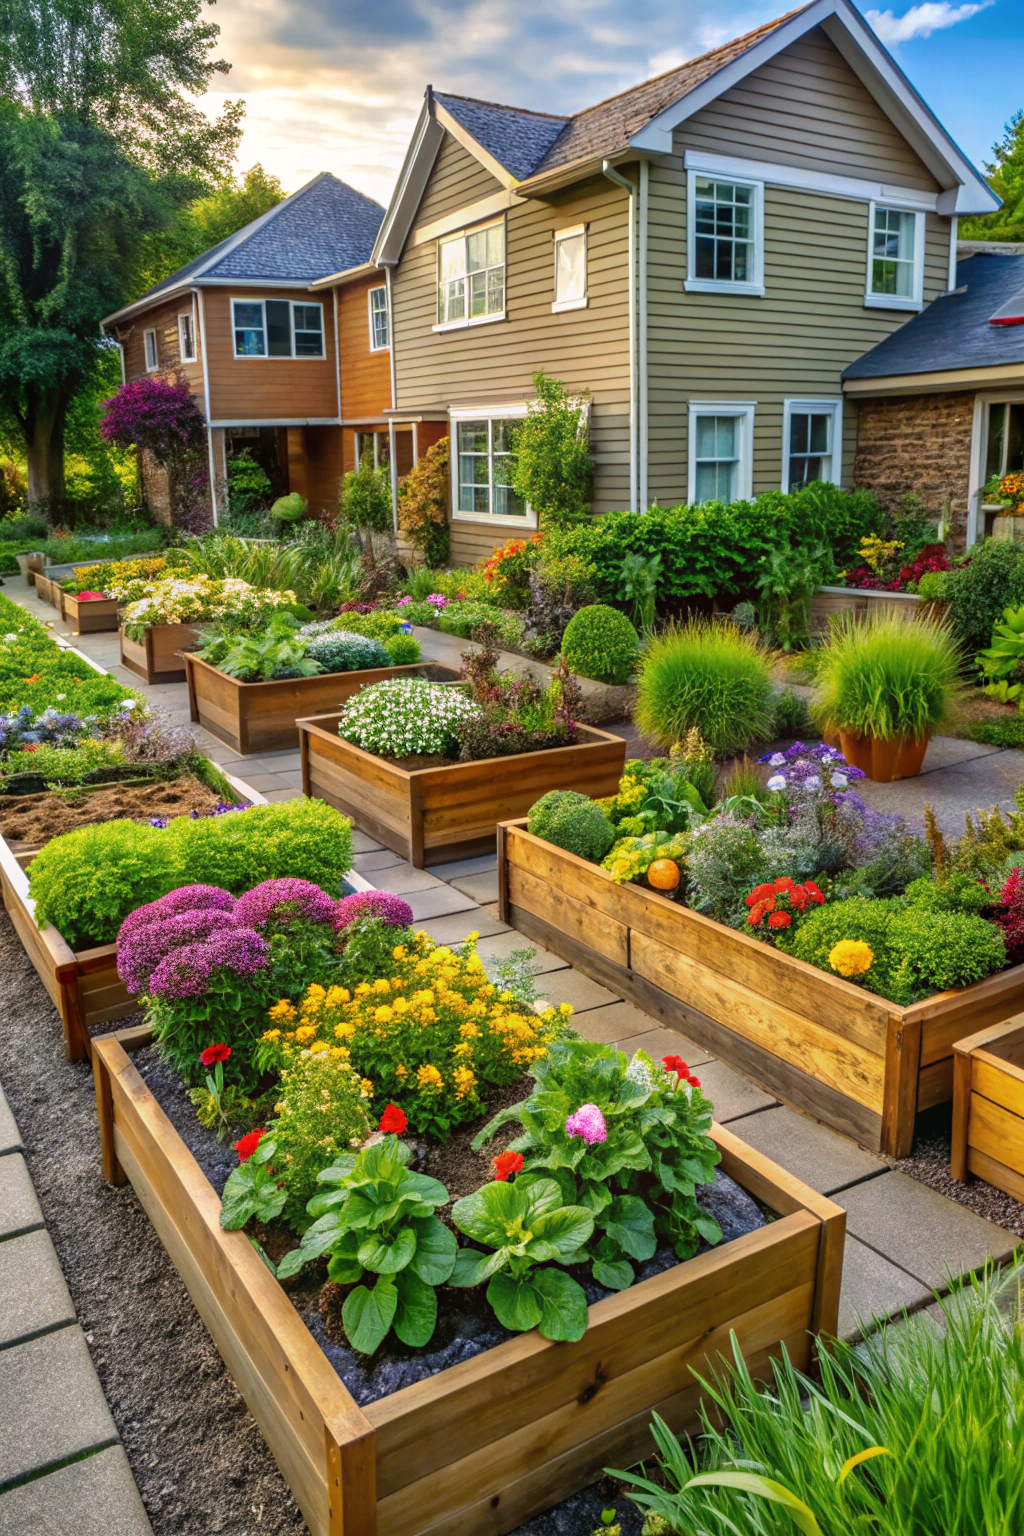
(272, 361)
(705, 254)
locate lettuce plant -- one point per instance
(376, 1221)
(525, 1225)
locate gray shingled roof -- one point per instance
(956, 330)
(517, 139)
(324, 227)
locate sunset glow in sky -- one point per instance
(337, 84)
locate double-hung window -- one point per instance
(481, 486)
(724, 245)
(895, 258)
(379, 334)
(186, 338)
(471, 276)
(721, 440)
(277, 328)
(812, 446)
(570, 269)
(149, 346)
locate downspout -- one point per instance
(607, 169)
(197, 294)
(954, 225)
(391, 424)
(645, 177)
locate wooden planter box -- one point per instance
(988, 1107)
(48, 581)
(48, 590)
(83, 984)
(158, 659)
(261, 717)
(827, 602)
(484, 1445)
(851, 1059)
(91, 617)
(440, 814)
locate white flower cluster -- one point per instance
(181, 600)
(405, 717)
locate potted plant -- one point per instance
(886, 686)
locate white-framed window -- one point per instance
(812, 442)
(895, 257)
(380, 334)
(721, 439)
(725, 242)
(570, 269)
(186, 338)
(277, 328)
(482, 442)
(471, 277)
(150, 349)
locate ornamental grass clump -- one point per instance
(886, 678)
(406, 717)
(709, 676)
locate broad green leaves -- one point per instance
(252, 1190)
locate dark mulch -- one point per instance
(929, 1164)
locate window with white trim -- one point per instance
(811, 442)
(721, 440)
(149, 346)
(480, 485)
(724, 244)
(378, 309)
(277, 328)
(471, 276)
(186, 338)
(895, 258)
(570, 269)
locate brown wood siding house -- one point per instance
(705, 254)
(260, 349)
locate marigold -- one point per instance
(429, 1078)
(305, 1032)
(465, 1082)
(851, 957)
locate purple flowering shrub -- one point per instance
(392, 910)
(214, 991)
(153, 413)
(142, 951)
(281, 903)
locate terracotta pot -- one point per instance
(882, 760)
(830, 735)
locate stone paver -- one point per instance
(403, 879)
(920, 1230)
(439, 901)
(581, 992)
(10, 1136)
(873, 1287)
(662, 1042)
(732, 1096)
(621, 1022)
(374, 863)
(19, 1208)
(459, 868)
(824, 1159)
(54, 1405)
(362, 842)
(498, 946)
(452, 930)
(94, 1497)
(483, 888)
(34, 1297)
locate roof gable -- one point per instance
(515, 138)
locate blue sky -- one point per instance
(336, 84)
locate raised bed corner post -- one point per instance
(112, 1170)
(899, 1099)
(504, 904)
(351, 1476)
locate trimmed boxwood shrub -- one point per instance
(572, 821)
(978, 592)
(600, 643)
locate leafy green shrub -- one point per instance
(404, 650)
(463, 618)
(956, 892)
(791, 716)
(289, 509)
(306, 839)
(551, 466)
(886, 678)
(249, 489)
(364, 499)
(86, 882)
(979, 591)
(423, 501)
(64, 765)
(601, 643)
(572, 821)
(341, 651)
(707, 676)
(377, 626)
(275, 652)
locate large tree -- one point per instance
(99, 146)
(206, 222)
(1006, 177)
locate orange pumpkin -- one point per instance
(663, 875)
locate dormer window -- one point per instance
(471, 277)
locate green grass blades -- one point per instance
(915, 1431)
(708, 676)
(887, 677)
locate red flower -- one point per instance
(813, 892)
(246, 1145)
(694, 1082)
(213, 1054)
(506, 1163)
(675, 1064)
(393, 1120)
(783, 883)
(760, 893)
(779, 920)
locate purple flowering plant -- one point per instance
(391, 909)
(277, 904)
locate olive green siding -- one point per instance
(494, 364)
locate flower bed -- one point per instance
(158, 628)
(94, 595)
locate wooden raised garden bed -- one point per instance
(83, 984)
(482, 1446)
(988, 1107)
(158, 659)
(846, 1056)
(92, 617)
(828, 602)
(261, 717)
(440, 814)
(48, 581)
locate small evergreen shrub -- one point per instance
(403, 650)
(305, 839)
(707, 676)
(572, 821)
(600, 642)
(341, 651)
(87, 881)
(979, 591)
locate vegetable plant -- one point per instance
(526, 1226)
(708, 676)
(375, 1220)
(277, 651)
(887, 678)
(572, 821)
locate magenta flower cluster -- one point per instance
(587, 1122)
(283, 901)
(155, 414)
(187, 972)
(391, 909)
(185, 917)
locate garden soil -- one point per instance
(29, 821)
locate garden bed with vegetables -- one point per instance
(458, 1362)
(158, 628)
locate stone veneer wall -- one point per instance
(918, 443)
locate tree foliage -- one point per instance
(1006, 177)
(551, 467)
(207, 221)
(423, 504)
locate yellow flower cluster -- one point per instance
(851, 957)
(429, 1038)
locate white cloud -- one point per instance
(921, 20)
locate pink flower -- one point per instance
(587, 1122)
